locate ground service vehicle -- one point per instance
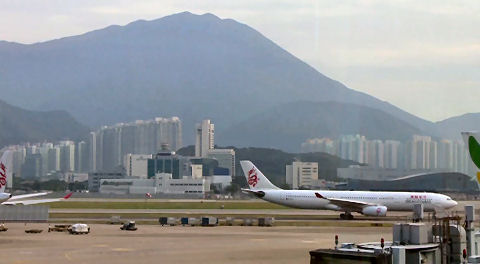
(129, 226)
(78, 229)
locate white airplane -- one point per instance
(364, 202)
(9, 199)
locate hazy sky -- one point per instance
(422, 56)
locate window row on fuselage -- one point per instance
(365, 198)
(300, 196)
(360, 198)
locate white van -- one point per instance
(79, 229)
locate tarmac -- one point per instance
(177, 244)
(185, 244)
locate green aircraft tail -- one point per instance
(473, 146)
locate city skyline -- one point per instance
(417, 153)
(110, 144)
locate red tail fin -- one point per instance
(68, 196)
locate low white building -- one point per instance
(161, 183)
(72, 177)
(301, 174)
(136, 165)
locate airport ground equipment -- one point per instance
(171, 221)
(209, 221)
(443, 241)
(476, 244)
(58, 228)
(229, 221)
(266, 221)
(79, 229)
(452, 238)
(129, 226)
(332, 256)
(382, 251)
(115, 219)
(247, 222)
(33, 231)
(413, 243)
(412, 234)
(470, 229)
(473, 235)
(163, 220)
(191, 221)
(3, 228)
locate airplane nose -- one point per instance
(452, 204)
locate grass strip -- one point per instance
(164, 205)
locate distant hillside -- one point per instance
(288, 125)
(272, 162)
(452, 127)
(186, 65)
(18, 125)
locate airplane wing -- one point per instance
(352, 205)
(36, 201)
(30, 195)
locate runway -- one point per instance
(101, 211)
(267, 212)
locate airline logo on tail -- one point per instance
(3, 175)
(252, 177)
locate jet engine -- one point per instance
(4, 196)
(375, 210)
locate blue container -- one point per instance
(205, 221)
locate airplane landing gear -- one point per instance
(346, 216)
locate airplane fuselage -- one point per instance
(394, 201)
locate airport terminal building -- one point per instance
(444, 182)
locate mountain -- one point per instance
(452, 127)
(19, 125)
(186, 65)
(272, 162)
(288, 125)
